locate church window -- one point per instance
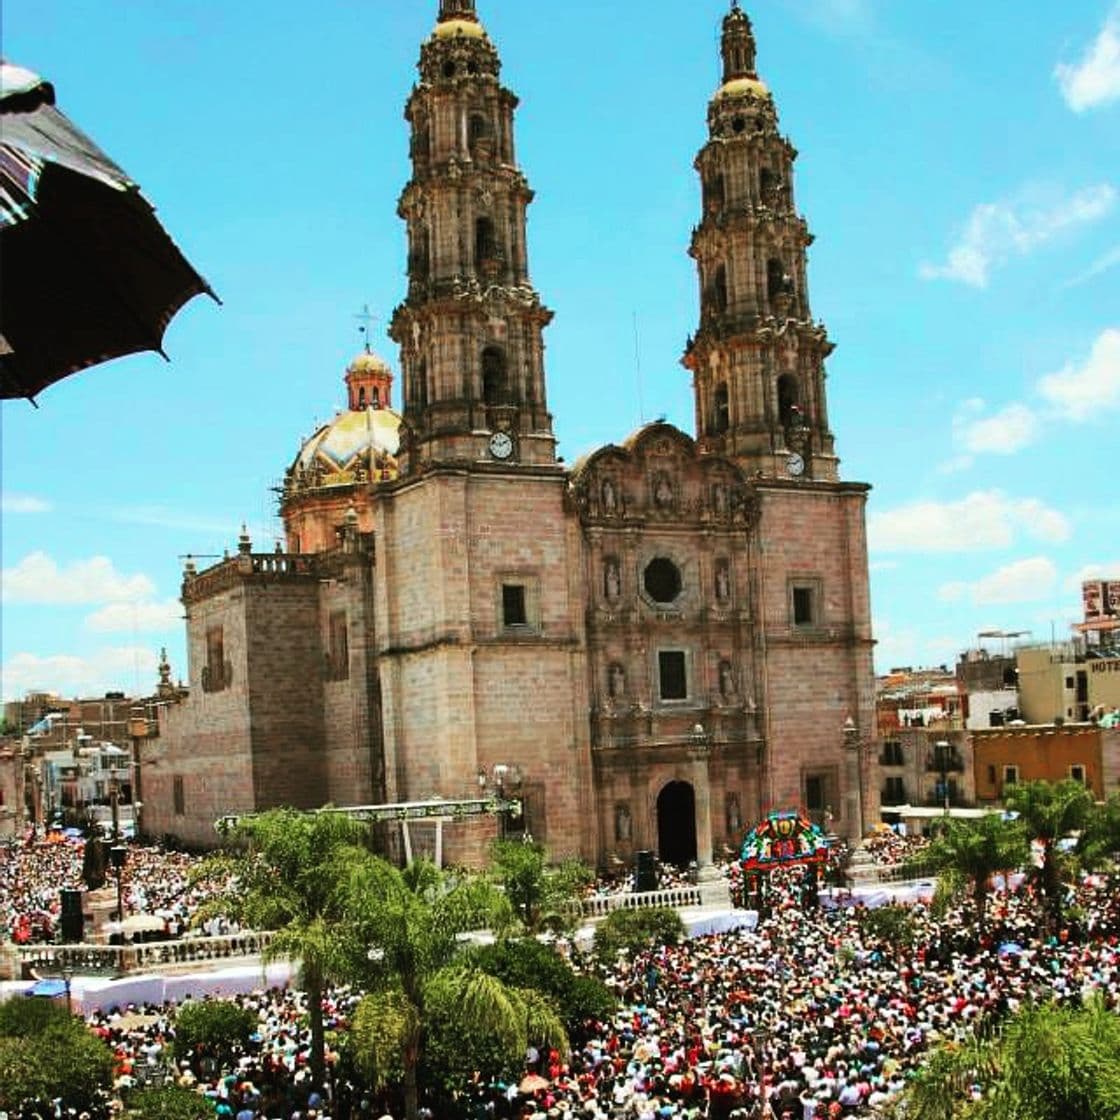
(804, 597)
(789, 399)
(361, 398)
(338, 647)
(672, 674)
(777, 282)
(513, 605)
(721, 410)
(478, 128)
(739, 125)
(767, 182)
(374, 398)
(214, 673)
(493, 375)
(714, 194)
(485, 240)
(719, 290)
(662, 580)
(449, 69)
(179, 796)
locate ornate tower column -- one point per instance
(757, 358)
(470, 329)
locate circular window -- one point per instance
(449, 69)
(739, 125)
(662, 580)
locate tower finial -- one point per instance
(738, 46)
(457, 9)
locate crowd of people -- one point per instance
(34, 871)
(809, 1016)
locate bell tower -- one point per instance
(471, 327)
(757, 358)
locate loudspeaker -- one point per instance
(73, 920)
(645, 872)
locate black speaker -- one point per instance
(73, 920)
(645, 872)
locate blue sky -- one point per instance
(960, 166)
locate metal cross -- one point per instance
(367, 319)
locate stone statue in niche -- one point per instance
(612, 581)
(610, 498)
(616, 681)
(662, 491)
(719, 499)
(734, 815)
(622, 823)
(726, 680)
(723, 582)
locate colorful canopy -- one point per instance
(783, 839)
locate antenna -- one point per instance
(638, 370)
(366, 318)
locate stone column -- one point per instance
(714, 888)
(853, 782)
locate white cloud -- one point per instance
(1092, 571)
(997, 231)
(895, 647)
(136, 617)
(1003, 433)
(37, 578)
(982, 520)
(1079, 392)
(1095, 80)
(1023, 581)
(125, 668)
(23, 503)
(1099, 267)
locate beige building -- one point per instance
(661, 641)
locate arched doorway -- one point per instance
(676, 824)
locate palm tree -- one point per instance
(1046, 1063)
(285, 880)
(407, 955)
(967, 853)
(1050, 811)
(1099, 843)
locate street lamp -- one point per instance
(118, 854)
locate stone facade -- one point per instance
(665, 640)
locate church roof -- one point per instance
(358, 445)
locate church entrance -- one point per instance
(676, 824)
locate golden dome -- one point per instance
(368, 363)
(451, 28)
(738, 87)
(358, 445)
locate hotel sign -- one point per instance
(1105, 666)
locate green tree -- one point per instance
(1099, 843)
(637, 929)
(542, 897)
(409, 958)
(965, 854)
(1047, 1063)
(49, 1055)
(1050, 811)
(217, 1025)
(168, 1102)
(286, 879)
(526, 963)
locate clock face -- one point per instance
(501, 445)
(795, 464)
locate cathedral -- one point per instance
(658, 643)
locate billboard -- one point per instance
(1092, 598)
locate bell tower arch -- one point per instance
(471, 326)
(757, 357)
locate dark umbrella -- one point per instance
(89, 274)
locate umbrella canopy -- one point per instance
(89, 273)
(141, 923)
